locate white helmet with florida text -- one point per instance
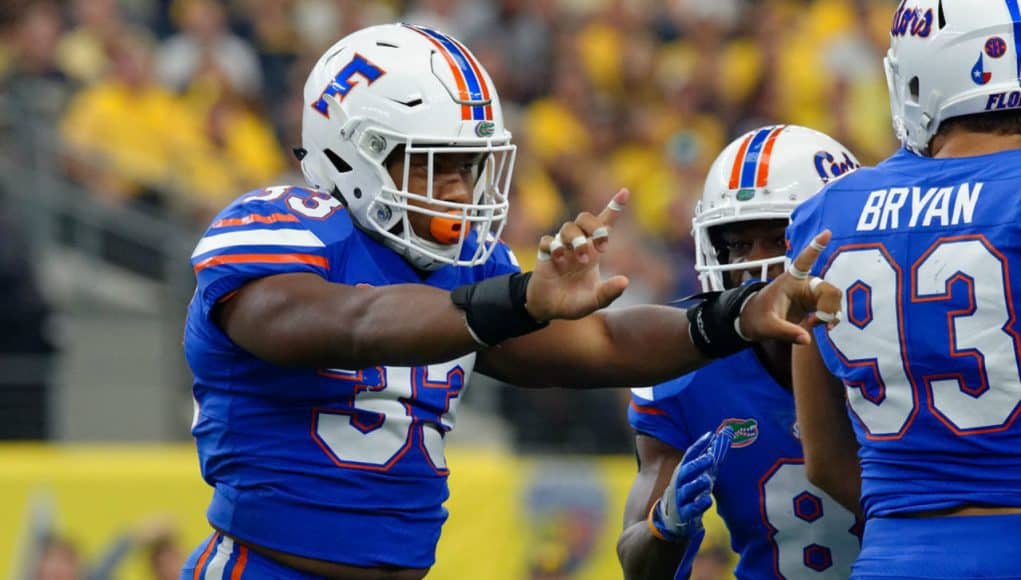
(406, 86)
(762, 175)
(950, 58)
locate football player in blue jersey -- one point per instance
(909, 408)
(334, 327)
(781, 525)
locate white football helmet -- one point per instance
(762, 175)
(404, 85)
(950, 58)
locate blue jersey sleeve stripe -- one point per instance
(260, 237)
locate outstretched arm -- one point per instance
(646, 345)
(831, 450)
(301, 319)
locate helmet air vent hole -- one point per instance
(357, 193)
(411, 103)
(942, 17)
(913, 89)
(337, 162)
(386, 44)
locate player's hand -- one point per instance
(566, 282)
(677, 516)
(794, 302)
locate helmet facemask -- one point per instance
(712, 255)
(391, 213)
(420, 93)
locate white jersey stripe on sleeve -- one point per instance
(300, 238)
(644, 392)
(219, 562)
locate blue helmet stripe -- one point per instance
(751, 157)
(474, 89)
(1015, 14)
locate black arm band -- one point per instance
(495, 308)
(712, 324)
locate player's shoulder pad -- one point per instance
(291, 207)
(505, 254)
(708, 376)
(902, 162)
(501, 261)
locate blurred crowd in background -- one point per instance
(175, 107)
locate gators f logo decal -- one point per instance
(342, 84)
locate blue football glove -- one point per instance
(677, 516)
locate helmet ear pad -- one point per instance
(719, 245)
(722, 253)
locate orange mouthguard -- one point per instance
(446, 230)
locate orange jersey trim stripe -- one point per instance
(647, 410)
(227, 296)
(205, 555)
(255, 219)
(264, 259)
(767, 151)
(239, 566)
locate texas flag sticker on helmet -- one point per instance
(978, 72)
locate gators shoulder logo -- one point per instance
(746, 431)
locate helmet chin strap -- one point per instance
(417, 258)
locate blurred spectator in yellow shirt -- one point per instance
(556, 125)
(205, 36)
(125, 135)
(82, 53)
(239, 152)
(131, 139)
